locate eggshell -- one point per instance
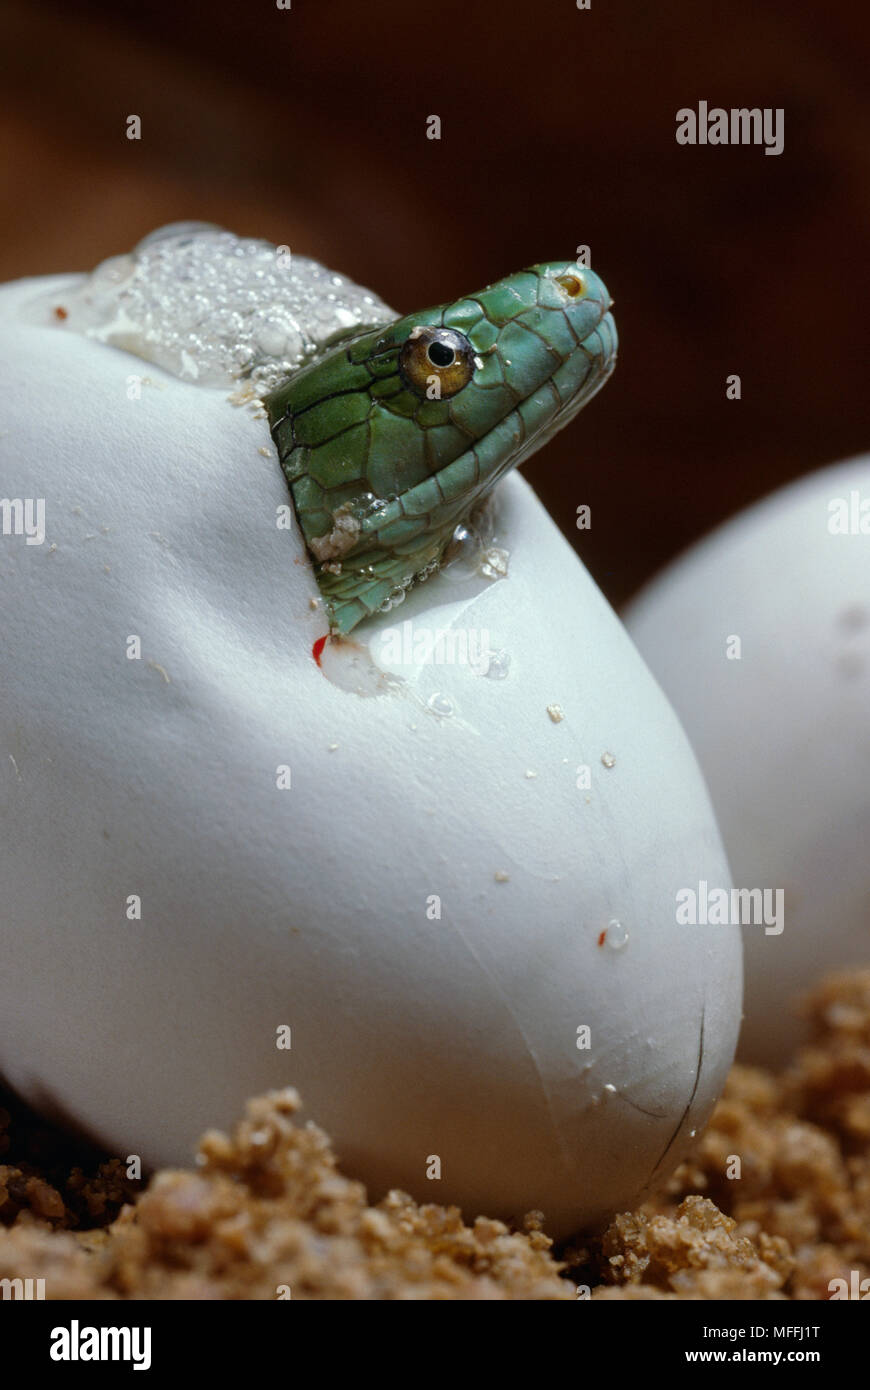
(783, 732)
(433, 908)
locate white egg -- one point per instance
(780, 720)
(429, 875)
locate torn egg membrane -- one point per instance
(216, 309)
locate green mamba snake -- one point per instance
(395, 436)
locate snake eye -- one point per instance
(436, 362)
(440, 354)
(573, 285)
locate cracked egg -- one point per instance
(388, 877)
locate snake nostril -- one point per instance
(573, 285)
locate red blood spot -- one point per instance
(60, 312)
(601, 936)
(317, 649)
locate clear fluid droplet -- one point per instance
(463, 551)
(442, 705)
(616, 935)
(498, 665)
(393, 599)
(213, 308)
(367, 504)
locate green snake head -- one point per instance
(395, 436)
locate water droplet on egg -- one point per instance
(616, 935)
(393, 599)
(497, 665)
(441, 705)
(460, 557)
(271, 339)
(211, 307)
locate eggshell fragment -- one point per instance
(396, 885)
(782, 727)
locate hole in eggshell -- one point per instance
(349, 665)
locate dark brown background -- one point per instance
(307, 126)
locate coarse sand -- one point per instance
(774, 1203)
